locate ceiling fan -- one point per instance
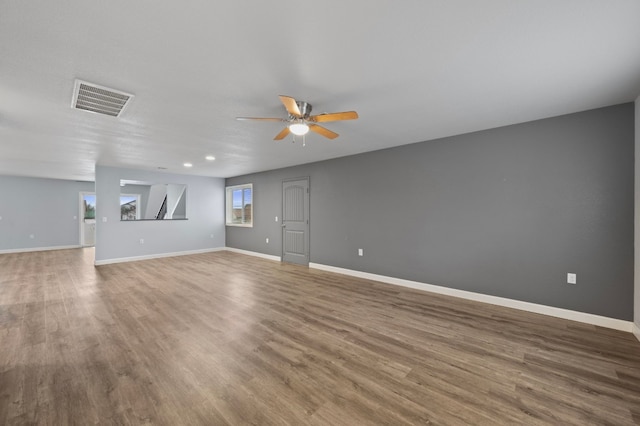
(300, 120)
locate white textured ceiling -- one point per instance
(414, 71)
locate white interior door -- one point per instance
(295, 221)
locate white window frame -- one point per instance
(229, 204)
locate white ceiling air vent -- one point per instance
(102, 100)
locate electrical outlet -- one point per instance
(360, 252)
(141, 240)
(104, 219)
(276, 218)
(571, 278)
(32, 236)
(267, 240)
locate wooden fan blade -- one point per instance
(258, 119)
(291, 105)
(282, 134)
(334, 116)
(323, 131)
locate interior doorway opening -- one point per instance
(87, 219)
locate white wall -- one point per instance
(636, 289)
(47, 209)
(120, 240)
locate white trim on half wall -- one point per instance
(155, 256)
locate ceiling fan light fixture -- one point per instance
(300, 122)
(299, 129)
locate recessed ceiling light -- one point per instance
(188, 165)
(210, 158)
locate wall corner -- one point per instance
(636, 231)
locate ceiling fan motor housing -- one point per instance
(305, 109)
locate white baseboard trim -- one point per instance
(636, 331)
(583, 317)
(254, 253)
(26, 250)
(155, 256)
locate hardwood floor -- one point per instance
(224, 338)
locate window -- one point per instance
(129, 204)
(240, 205)
(89, 201)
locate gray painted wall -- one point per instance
(636, 293)
(48, 209)
(505, 212)
(117, 240)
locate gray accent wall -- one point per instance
(506, 212)
(117, 239)
(48, 209)
(636, 297)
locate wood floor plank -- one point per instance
(227, 339)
